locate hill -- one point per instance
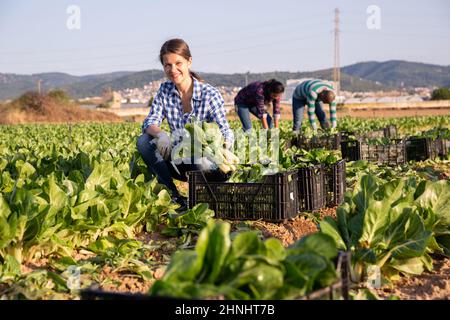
(364, 76)
(397, 73)
(52, 107)
(13, 85)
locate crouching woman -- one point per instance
(179, 99)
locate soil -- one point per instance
(433, 285)
(117, 282)
(291, 230)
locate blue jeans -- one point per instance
(157, 166)
(298, 107)
(244, 111)
(163, 169)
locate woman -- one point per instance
(179, 99)
(254, 97)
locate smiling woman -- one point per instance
(179, 99)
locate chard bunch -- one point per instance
(205, 141)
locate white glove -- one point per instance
(163, 145)
(228, 144)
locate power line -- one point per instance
(145, 64)
(134, 44)
(148, 53)
(337, 68)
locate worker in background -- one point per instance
(254, 98)
(314, 93)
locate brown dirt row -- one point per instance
(434, 285)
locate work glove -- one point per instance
(228, 144)
(163, 145)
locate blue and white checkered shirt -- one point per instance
(207, 105)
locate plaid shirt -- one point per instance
(207, 105)
(253, 95)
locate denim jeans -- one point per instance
(244, 111)
(163, 169)
(298, 107)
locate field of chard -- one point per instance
(79, 210)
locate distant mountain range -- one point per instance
(362, 76)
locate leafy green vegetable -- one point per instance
(392, 224)
(248, 268)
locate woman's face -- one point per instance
(176, 67)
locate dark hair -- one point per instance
(327, 96)
(179, 47)
(273, 86)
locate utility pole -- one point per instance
(246, 78)
(337, 67)
(39, 86)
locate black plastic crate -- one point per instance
(388, 154)
(345, 135)
(275, 199)
(390, 131)
(375, 134)
(311, 188)
(326, 142)
(335, 183)
(331, 142)
(420, 149)
(387, 132)
(442, 146)
(351, 150)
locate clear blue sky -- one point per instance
(224, 35)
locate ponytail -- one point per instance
(196, 76)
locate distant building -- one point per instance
(111, 99)
(369, 100)
(415, 98)
(387, 100)
(352, 100)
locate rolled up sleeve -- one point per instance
(156, 114)
(276, 108)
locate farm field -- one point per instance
(79, 210)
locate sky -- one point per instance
(225, 36)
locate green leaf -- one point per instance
(329, 227)
(318, 243)
(9, 269)
(4, 208)
(444, 242)
(410, 266)
(245, 243)
(261, 281)
(275, 249)
(217, 249)
(436, 195)
(184, 266)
